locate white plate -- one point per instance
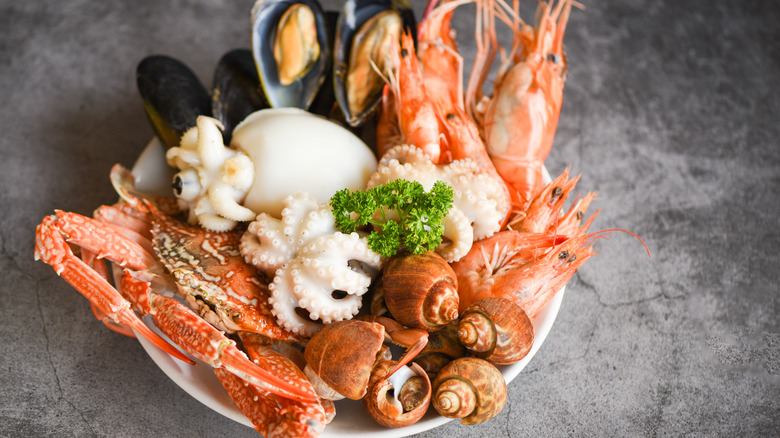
(152, 175)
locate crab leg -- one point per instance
(132, 227)
(51, 248)
(199, 338)
(90, 258)
(270, 414)
(97, 237)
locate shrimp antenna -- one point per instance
(429, 8)
(603, 235)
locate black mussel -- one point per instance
(291, 50)
(365, 34)
(173, 96)
(324, 103)
(236, 92)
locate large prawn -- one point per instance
(519, 121)
(408, 116)
(442, 71)
(525, 268)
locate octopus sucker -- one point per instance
(309, 259)
(478, 207)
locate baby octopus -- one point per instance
(478, 204)
(309, 260)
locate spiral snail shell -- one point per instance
(497, 330)
(399, 400)
(443, 346)
(342, 355)
(421, 290)
(471, 389)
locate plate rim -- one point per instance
(208, 391)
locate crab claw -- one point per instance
(103, 240)
(200, 339)
(51, 248)
(272, 415)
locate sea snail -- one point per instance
(442, 348)
(399, 400)
(341, 356)
(497, 330)
(471, 389)
(420, 290)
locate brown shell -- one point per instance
(343, 354)
(471, 389)
(378, 306)
(421, 290)
(497, 330)
(443, 346)
(414, 396)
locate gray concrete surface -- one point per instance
(671, 112)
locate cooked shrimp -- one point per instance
(442, 75)
(526, 268)
(520, 119)
(546, 207)
(494, 264)
(442, 65)
(415, 114)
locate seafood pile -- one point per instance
(339, 189)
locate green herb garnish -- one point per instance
(401, 213)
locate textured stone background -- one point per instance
(671, 112)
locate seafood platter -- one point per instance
(344, 234)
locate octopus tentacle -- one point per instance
(264, 245)
(284, 303)
(479, 204)
(459, 235)
(331, 251)
(309, 260)
(270, 242)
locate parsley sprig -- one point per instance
(401, 213)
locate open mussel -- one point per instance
(236, 91)
(172, 95)
(291, 50)
(324, 103)
(365, 34)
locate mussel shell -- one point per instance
(324, 103)
(236, 91)
(266, 15)
(172, 95)
(353, 16)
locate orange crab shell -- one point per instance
(209, 265)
